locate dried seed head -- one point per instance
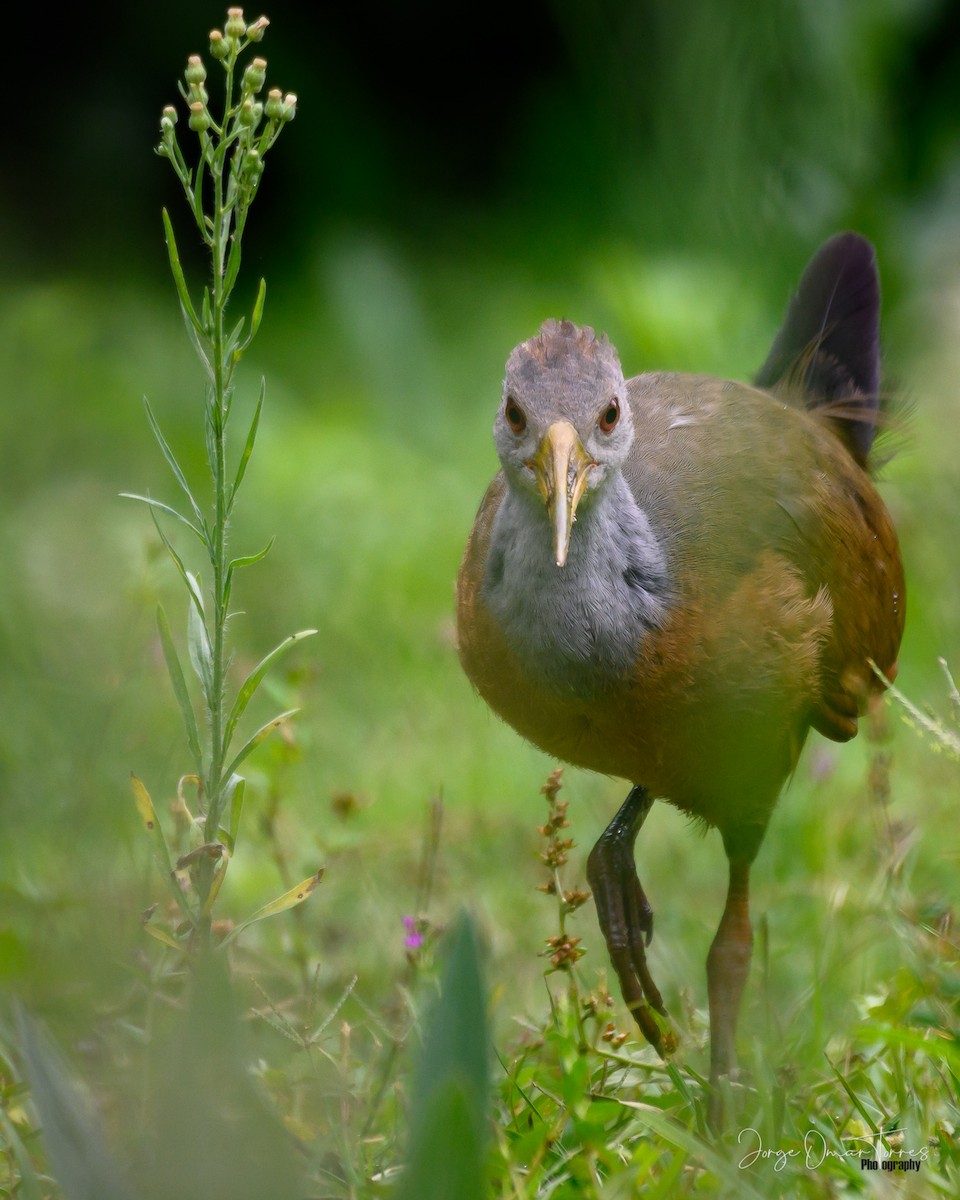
(575, 898)
(555, 854)
(553, 785)
(566, 949)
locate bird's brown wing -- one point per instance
(729, 475)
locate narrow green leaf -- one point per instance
(233, 793)
(197, 203)
(201, 343)
(198, 640)
(161, 935)
(685, 1139)
(176, 270)
(174, 466)
(450, 1090)
(178, 563)
(171, 512)
(248, 447)
(255, 678)
(296, 895)
(257, 315)
(175, 671)
(244, 561)
(74, 1140)
(233, 341)
(227, 590)
(247, 560)
(260, 736)
(216, 885)
(28, 1187)
(233, 266)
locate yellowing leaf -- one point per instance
(296, 895)
(144, 803)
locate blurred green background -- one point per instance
(662, 171)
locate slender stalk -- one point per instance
(219, 190)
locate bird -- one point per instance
(673, 578)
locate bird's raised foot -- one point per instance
(626, 919)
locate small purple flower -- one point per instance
(414, 938)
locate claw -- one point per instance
(626, 918)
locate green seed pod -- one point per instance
(196, 72)
(255, 76)
(236, 26)
(250, 113)
(219, 48)
(274, 105)
(252, 165)
(256, 31)
(199, 117)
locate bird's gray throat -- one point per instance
(576, 628)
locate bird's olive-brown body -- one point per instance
(731, 580)
(785, 582)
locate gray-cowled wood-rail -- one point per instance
(674, 577)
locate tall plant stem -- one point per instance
(219, 190)
(217, 417)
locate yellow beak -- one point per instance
(560, 465)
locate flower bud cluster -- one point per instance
(236, 34)
(280, 107)
(242, 123)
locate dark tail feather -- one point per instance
(828, 349)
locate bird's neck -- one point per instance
(576, 628)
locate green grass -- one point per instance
(370, 467)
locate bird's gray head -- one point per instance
(564, 424)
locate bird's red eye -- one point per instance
(516, 418)
(611, 415)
